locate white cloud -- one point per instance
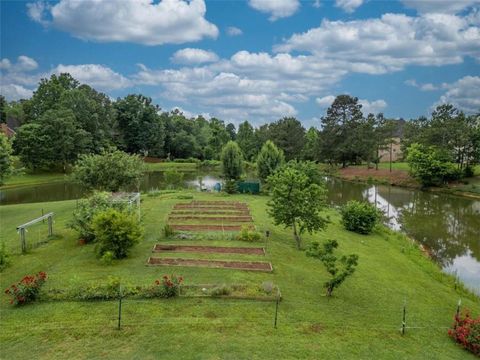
(5, 64)
(276, 8)
(194, 56)
(372, 107)
(426, 86)
(348, 6)
(463, 94)
(25, 63)
(440, 6)
(97, 76)
(390, 43)
(317, 4)
(234, 31)
(325, 101)
(15, 92)
(138, 21)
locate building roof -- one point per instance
(7, 130)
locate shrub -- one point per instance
(231, 187)
(107, 258)
(468, 171)
(269, 159)
(168, 287)
(86, 211)
(222, 290)
(232, 161)
(168, 231)
(247, 234)
(359, 217)
(116, 231)
(27, 289)
(4, 260)
(466, 332)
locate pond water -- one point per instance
(448, 226)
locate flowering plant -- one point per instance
(167, 287)
(27, 289)
(466, 332)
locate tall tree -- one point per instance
(232, 161)
(48, 95)
(311, 149)
(219, 137)
(3, 109)
(5, 157)
(246, 140)
(140, 125)
(269, 159)
(289, 135)
(231, 131)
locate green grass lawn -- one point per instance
(361, 320)
(386, 165)
(33, 179)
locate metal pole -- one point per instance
(22, 240)
(404, 321)
(119, 306)
(276, 310)
(457, 313)
(50, 226)
(267, 234)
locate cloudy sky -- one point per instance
(255, 60)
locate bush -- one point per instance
(27, 289)
(247, 234)
(359, 217)
(107, 258)
(168, 231)
(232, 161)
(222, 290)
(4, 260)
(466, 332)
(468, 171)
(168, 287)
(86, 211)
(230, 187)
(116, 231)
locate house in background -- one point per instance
(8, 131)
(393, 150)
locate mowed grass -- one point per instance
(361, 321)
(27, 179)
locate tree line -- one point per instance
(65, 119)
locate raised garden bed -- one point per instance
(211, 212)
(209, 249)
(203, 227)
(229, 207)
(218, 264)
(212, 218)
(216, 202)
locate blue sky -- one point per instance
(256, 60)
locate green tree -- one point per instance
(109, 171)
(218, 138)
(296, 202)
(53, 140)
(231, 131)
(246, 140)
(140, 125)
(431, 166)
(117, 232)
(338, 268)
(3, 109)
(289, 135)
(48, 95)
(5, 157)
(269, 159)
(232, 161)
(311, 149)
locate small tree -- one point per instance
(5, 158)
(232, 161)
(117, 232)
(296, 201)
(109, 171)
(269, 159)
(338, 268)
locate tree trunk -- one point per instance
(297, 238)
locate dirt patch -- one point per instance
(210, 249)
(211, 212)
(212, 218)
(202, 227)
(395, 177)
(220, 264)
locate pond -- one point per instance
(448, 226)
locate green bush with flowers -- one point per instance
(27, 289)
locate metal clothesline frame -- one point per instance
(22, 228)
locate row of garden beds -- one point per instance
(209, 249)
(218, 264)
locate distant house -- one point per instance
(393, 150)
(9, 132)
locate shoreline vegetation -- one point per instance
(399, 176)
(392, 270)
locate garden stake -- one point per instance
(267, 235)
(276, 311)
(119, 305)
(458, 312)
(404, 323)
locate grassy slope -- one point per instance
(33, 179)
(360, 322)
